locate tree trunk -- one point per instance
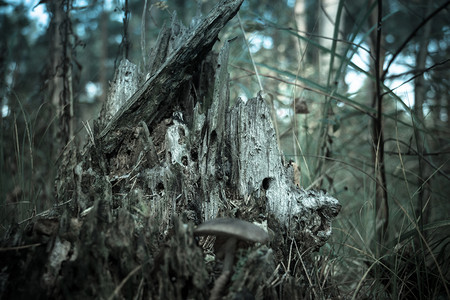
(381, 195)
(424, 174)
(60, 88)
(171, 156)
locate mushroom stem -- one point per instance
(233, 230)
(219, 285)
(228, 248)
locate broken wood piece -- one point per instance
(151, 101)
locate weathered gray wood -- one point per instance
(125, 83)
(240, 167)
(257, 170)
(154, 97)
(213, 142)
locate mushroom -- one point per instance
(231, 230)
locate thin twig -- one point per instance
(417, 75)
(19, 247)
(122, 283)
(413, 33)
(309, 89)
(250, 53)
(143, 30)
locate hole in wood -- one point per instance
(213, 137)
(194, 154)
(159, 188)
(266, 183)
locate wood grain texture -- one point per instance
(153, 98)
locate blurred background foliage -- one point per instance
(316, 62)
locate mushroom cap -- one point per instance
(228, 227)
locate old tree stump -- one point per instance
(166, 154)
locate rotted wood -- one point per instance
(242, 170)
(184, 49)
